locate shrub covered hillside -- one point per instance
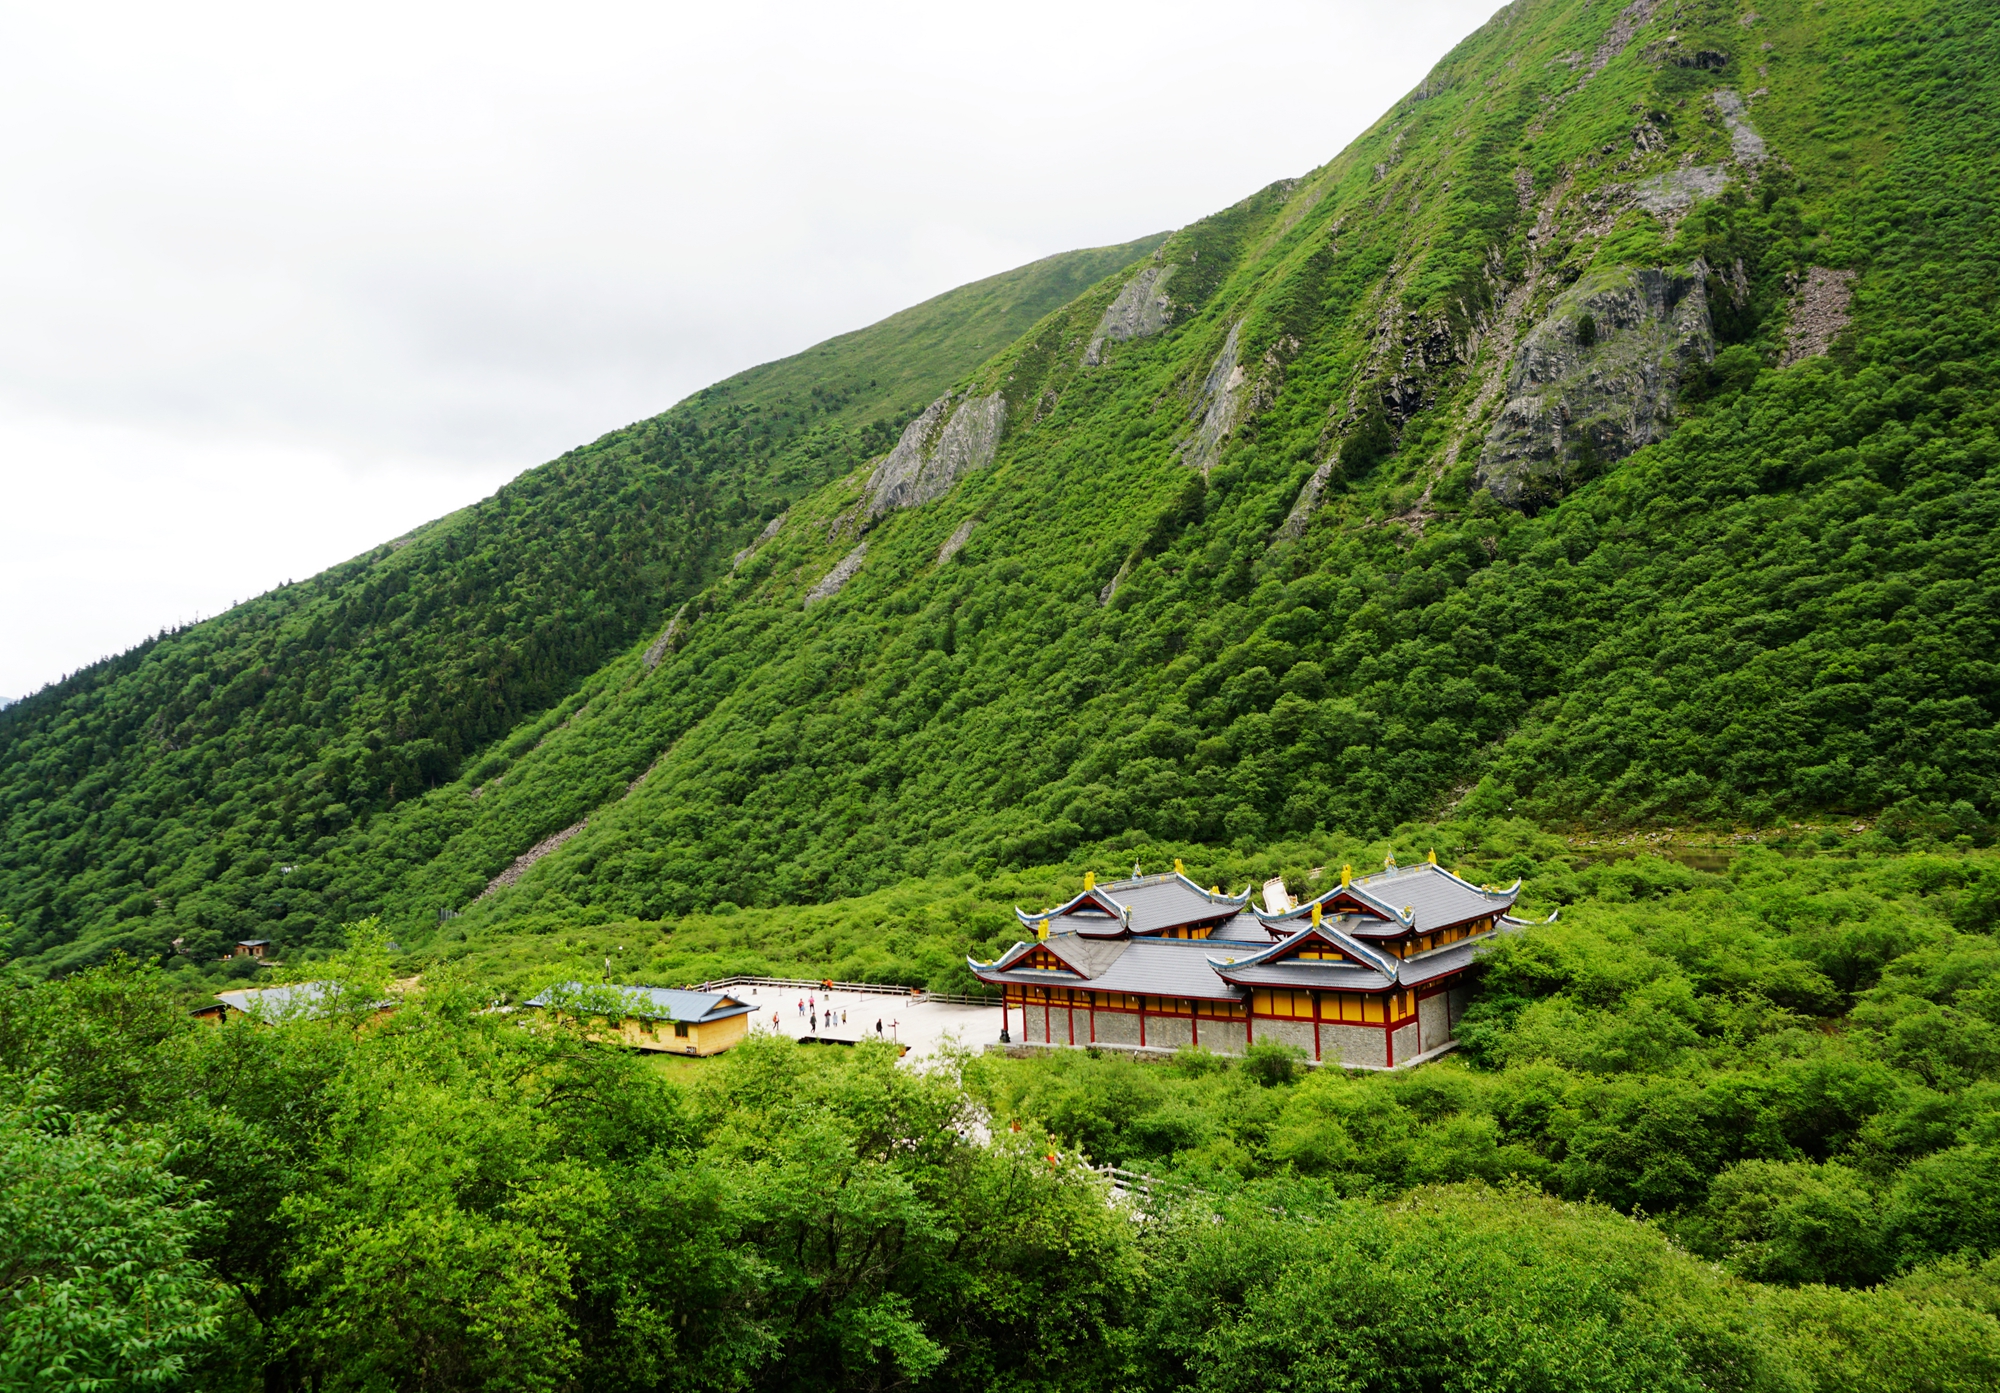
(159, 793)
(1607, 435)
(1784, 605)
(1734, 1133)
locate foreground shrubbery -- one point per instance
(1792, 1067)
(1714, 1131)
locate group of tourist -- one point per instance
(810, 1008)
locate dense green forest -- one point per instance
(1715, 1130)
(1254, 570)
(161, 794)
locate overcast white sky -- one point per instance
(279, 282)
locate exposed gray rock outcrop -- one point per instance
(1111, 586)
(843, 571)
(1295, 521)
(955, 543)
(1817, 314)
(1141, 310)
(528, 858)
(954, 436)
(770, 531)
(657, 649)
(1218, 405)
(1745, 145)
(1669, 196)
(1627, 23)
(1596, 378)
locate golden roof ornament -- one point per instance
(1346, 876)
(1089, 880)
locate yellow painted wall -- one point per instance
(712, 1038)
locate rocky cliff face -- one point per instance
(1141, 310)
(954, 436)
(1596, 379)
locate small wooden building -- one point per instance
(657, 1019)
(1372, 973)
(252, 948)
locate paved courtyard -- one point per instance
(922, 1025)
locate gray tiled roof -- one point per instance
(1207, 968)
(1441, 961)
(1166, 967)
(1325, 976)
(1089, 956)
(1245, 927)
(1157, 902)
(1328, 931)
(1143, 966)
(1434, 897)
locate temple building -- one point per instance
(1373, 973)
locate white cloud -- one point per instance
(276, 283)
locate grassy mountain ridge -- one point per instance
(161, 793)
(1781, 608)
(1500, 463)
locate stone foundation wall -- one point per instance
(1224, 1037)
(1433, 1021)
(1298, 1034)
(1361, 1045)
(1351, 1044)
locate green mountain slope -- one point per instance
(1783, 604)
(1608, 435)
(162, 793)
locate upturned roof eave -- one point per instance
(1304, 909)
(1366, 954)
(1103, 893)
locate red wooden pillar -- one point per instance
(1318, 997)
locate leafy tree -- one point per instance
(99, 1285)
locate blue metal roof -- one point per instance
(648, 1003)
(294, 1001)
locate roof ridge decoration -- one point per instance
(1347, 887)
(1101, 900)
(1361, 953)
(1367, 889)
